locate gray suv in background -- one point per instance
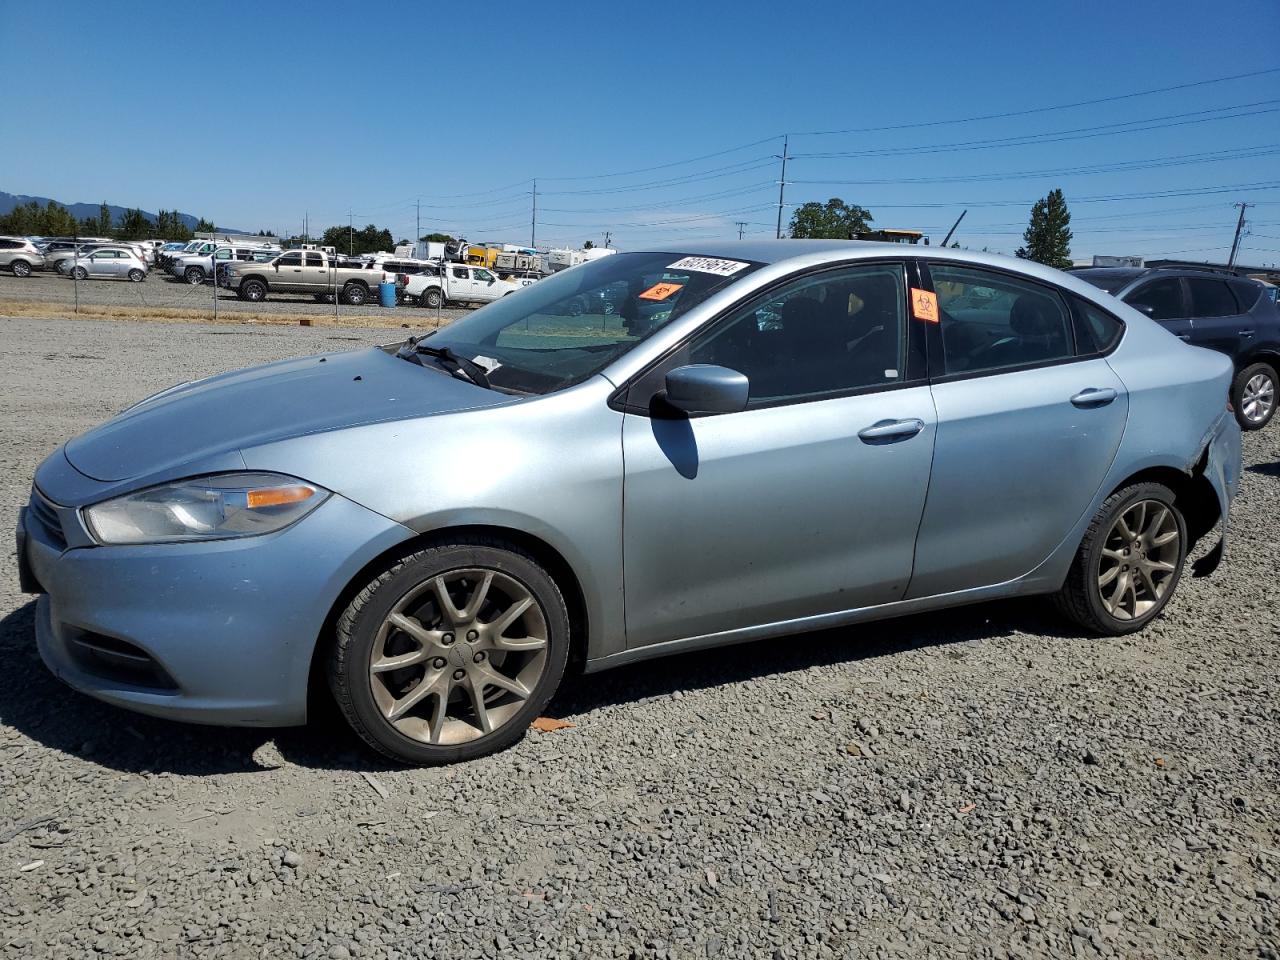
(1214, 309)
(20, 256)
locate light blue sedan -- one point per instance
(732, 442)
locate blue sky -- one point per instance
(265, 112)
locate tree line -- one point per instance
(1047, 238)
(55, 220)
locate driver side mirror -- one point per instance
(707, 388)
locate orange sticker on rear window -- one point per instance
(660, 291)
(924, 305)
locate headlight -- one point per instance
(220, 507)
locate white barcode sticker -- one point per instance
(488, 363)
(721, 268)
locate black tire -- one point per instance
(194, 276)
(432, 298)
(255, 291)
(1255, 419)
(359, 625)
(137, 276)
(20, 268)
(80, 273)
(61, 267)
(1080, 598)
(355, 293)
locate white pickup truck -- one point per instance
(196, 268)
(457, 283)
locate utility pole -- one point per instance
(351, 227)
(782, 181)
(1235, 243)
(742, 225)
(533, 226)
(953, 227)
(417, 223)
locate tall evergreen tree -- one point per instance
(1048, 235)
(104, 220)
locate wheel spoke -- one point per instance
(1153, 527)
(1110, 575)
(1122, 528)
(1140, 521)
(1148, 584)
(447, 608)
(387, 664)
(1122, 585)
(440, 712)
(490, 677)
(1164, 539)
(475, 691)
(412, 627)
(510, 616)
(478, 596)
(1161, 565)
(414, 696)
(1113, 555)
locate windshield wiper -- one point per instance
(455, 363)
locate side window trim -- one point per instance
(916, 375)
(937, 360)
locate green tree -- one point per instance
(104, 220)
(204, 226)
(368, 239)
(833, 220)
(1048, 235)
(589, 245)
(436, 238)
(133, 225)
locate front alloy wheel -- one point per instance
(20, 268)
(451, 653)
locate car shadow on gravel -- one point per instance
(1266, 469)
(41, 707)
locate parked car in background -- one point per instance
(61, 259)
(256, 256)
(811, 434)
(458, 283)
(20, 256)
(110, 263)
(311, 272)
(196, 268)
(1213, 309)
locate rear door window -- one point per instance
(991, 320)
(1211, 297)
(1163, 297)
(315, 260)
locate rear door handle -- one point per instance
(888, 431)
(1094, 397)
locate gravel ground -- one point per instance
(160, 291)
(978, 783)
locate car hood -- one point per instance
(246, 408)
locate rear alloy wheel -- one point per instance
(451, 653)
(1253, 395)
(20, 268)
(432, 298)
(255, 291)
(80, 273)
(136, 275)
(1129, 562)
(194, 276)
(355, 294)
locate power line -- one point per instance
(1033, 110)
(1058, 136)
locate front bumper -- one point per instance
(219, 632)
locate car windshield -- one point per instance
(570, 326)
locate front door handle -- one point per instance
(1246, 333)
(1094, 397)
(889, 431)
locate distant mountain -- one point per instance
(81, 210)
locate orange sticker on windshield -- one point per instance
(661, 291)
(924, 305)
